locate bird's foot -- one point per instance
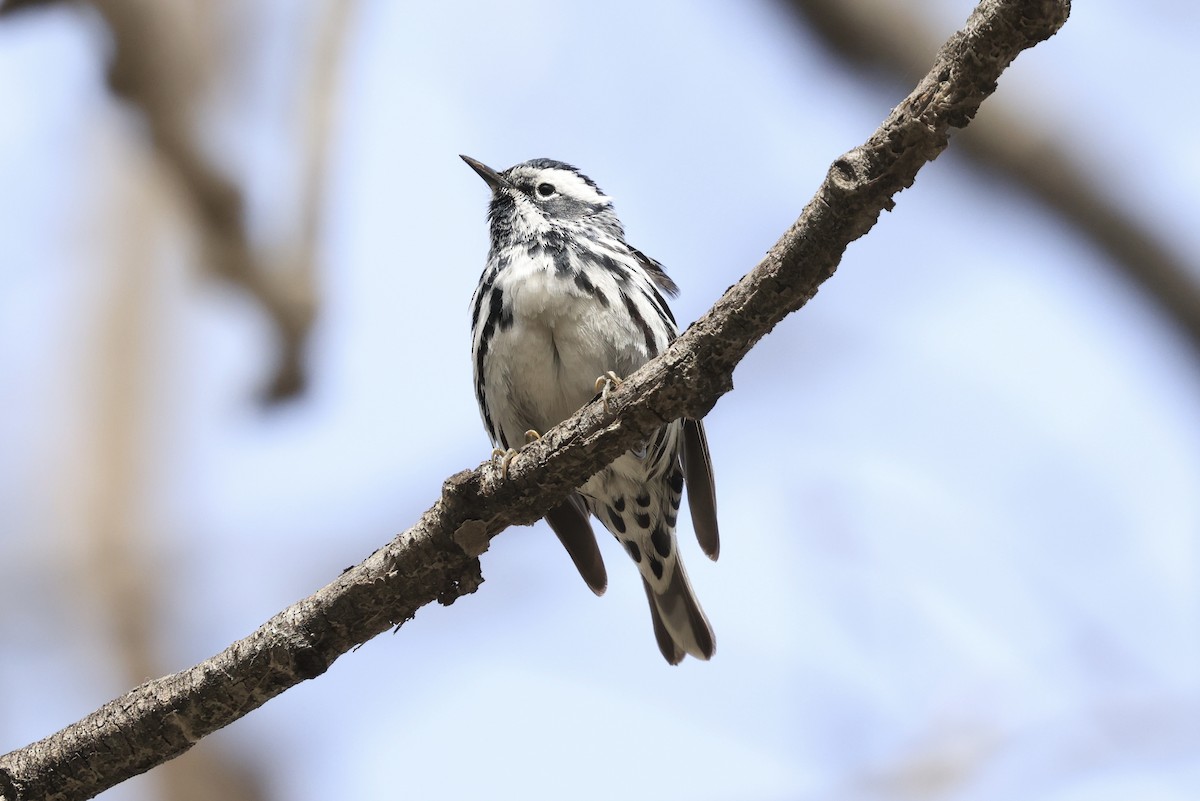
(506, 456)
(605, 384)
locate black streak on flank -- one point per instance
(613, 266)
(588, 288)
(497, 312)
(640, 321)
(487, 419)
(664, 311)
(642, 518)
(656, 567)
(495, 307)
(676, 482)
(496, 316)
(485, 340)
(479, 296)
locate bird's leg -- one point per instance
(506, 456)
(605, 384)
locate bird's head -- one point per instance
(543, 197)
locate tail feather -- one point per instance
(679, 623)
(670, 651)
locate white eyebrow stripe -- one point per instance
(568, 183)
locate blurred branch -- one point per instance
(156, 74)
(437, 559)
(113, 562)
(887, 37)
(296, 295)
(318, 114)
(159, 67)
(9, 6)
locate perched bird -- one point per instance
(564, 310)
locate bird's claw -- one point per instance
(507, 455)
(605, 384)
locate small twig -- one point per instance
(437, 558)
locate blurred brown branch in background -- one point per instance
(115, 551)
(160, 64)
(437, 559)
(889, 39)
(164, 58)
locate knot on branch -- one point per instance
(308, 663)
(848, 173)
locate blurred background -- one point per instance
(958, 490)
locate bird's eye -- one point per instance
(545, 190)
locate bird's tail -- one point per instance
(680, 626)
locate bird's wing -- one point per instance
(569, 520)
(657, 273)
(701, 490)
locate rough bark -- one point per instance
(437, 559)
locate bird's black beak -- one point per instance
(494, 179)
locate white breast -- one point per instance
(543, 368)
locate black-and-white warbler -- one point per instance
(565, 307)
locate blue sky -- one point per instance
(957, 490)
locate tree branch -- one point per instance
(436, 559)
(885, 37)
